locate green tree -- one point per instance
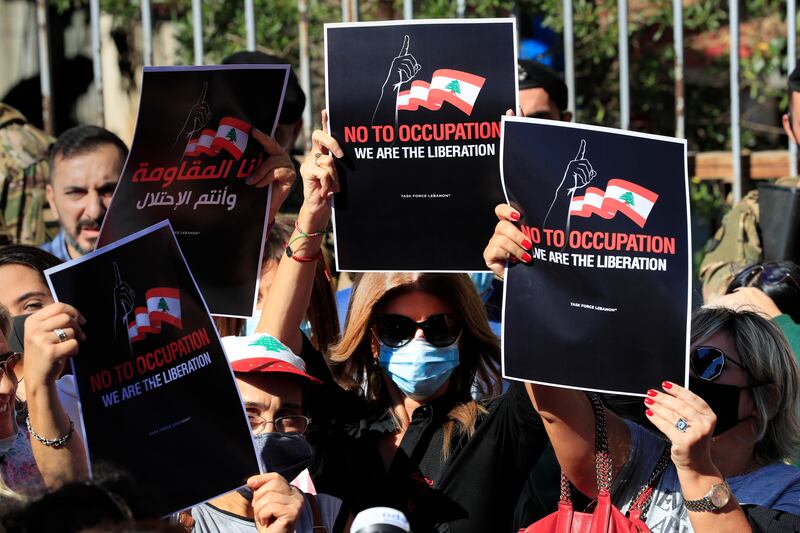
(454, 87)
(627, 198)
(231, 135)
(163, 306)
(269, 343)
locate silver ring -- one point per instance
(682, 425)
(61, 334)
(316, 156)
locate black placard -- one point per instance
(604, 305)
(192, 151)
(157, 396)
(416, 107)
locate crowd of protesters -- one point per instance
(403, 405)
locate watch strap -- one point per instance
(705, 504)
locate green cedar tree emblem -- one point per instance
(231, 135)
(163, 306)
(271, 344)
(454, 87)
(627, 198)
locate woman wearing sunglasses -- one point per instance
(402, 429)
(729, 434)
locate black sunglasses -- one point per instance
(398, 330)
(709, 362)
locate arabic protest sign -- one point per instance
(416, 107)
(192, 152)
(157, 395)
(604, 305)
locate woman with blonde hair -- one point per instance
(728, 434)
(402, 429)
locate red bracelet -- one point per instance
(301, 258)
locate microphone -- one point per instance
(380, 520)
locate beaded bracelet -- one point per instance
(53, 443)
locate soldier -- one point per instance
(24, 172)
(737, 243)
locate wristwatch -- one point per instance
(716, 498)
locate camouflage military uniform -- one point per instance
(736, 245)
(24, 172)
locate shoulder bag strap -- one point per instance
(602, 463)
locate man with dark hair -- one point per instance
(23, 288)
(542, 92)
(738, 243)
(85, 164)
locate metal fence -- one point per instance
(350, 13)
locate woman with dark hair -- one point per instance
(402, 429)
(23, 288)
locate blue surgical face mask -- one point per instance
(288, 454)
(419, 369)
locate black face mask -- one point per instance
(722, 399)
(288, 454)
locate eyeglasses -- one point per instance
(8, 361)
(709, 362)
(398, 330)
(283, 424)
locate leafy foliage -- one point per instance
(595, 40)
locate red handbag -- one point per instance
(605, 518)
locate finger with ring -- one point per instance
(682, 425)
(61, 334)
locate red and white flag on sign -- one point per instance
(634, 201)
(163, 305)
(202, 144)
(232, 135)
(459, 88)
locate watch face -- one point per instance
(720, 496)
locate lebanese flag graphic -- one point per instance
(232, 135)
(163, 305)
(202, 144)
(634, 201)
(459, 88)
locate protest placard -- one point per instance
(157, 396)
(416, 107)
(604, 304)
(192, 151)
